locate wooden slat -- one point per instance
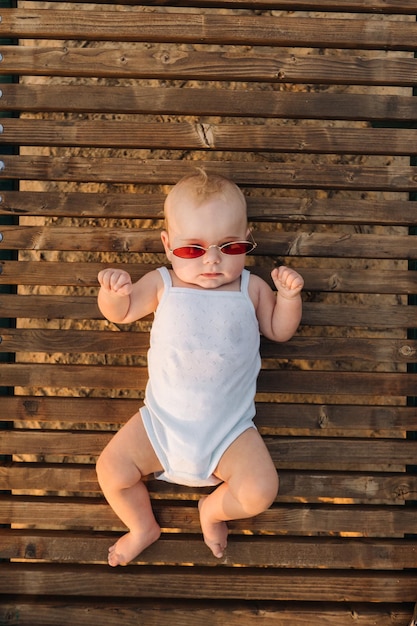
(376, 6)
(215, 583)
(209, 28)
(335, 280)
(50, 340)
(84, 274)
(314, 244)
(270, 381)
(271, 418)
(349, 177)
(110, 342)
(227, 102)
(255, 552)
(279, 418)
(260, 208)
(44, 340)
(208, 136)
(49, 307)
(108, 613)
(380, 351)
(275, 418)
(168, 63)
(307, 486)
(287, 452)
(354, 281)
(339, 382)
(89, 204)
(368, 316)
(294, 486)
(366, 521)
(90, 239)
(314, 314)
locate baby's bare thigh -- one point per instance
(246, 456)
(131, 444)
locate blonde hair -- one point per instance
(201, 185)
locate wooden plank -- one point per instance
(184, 135)
(113, 612)
(357, 487)
(381, 384)
(358, 6)
(204, 101)
(311, 487)
(260, 208)
(116, 342)
(49, 307)
(369, 316)
(271, 418)
(85, 342)
(350, 177)
(209, 28)
(306, 520)
(196, 583)
(110, 342)
(354, 281)
(375, 350)
(169, 63)
(84, 274)
(81, 204)
(287, 243)
(247, 551)
(305, 453)
(275, 418)
(90, 239)
(335, 280)
(369, 521)
(337, 382)
(314, 314)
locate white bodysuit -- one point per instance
(203, 364)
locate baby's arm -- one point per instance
(122, 301)
(279, 315)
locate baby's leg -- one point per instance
(128, 457)
(249, 488)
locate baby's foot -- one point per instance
(130, 545)
(214, 533)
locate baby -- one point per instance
(196, 426)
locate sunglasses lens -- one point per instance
(237, 247)
(189, 252)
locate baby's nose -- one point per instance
(213, 255)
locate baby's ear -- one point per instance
(165, 241)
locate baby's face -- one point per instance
(216, 221)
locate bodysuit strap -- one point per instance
(244, 282)
(166, 277)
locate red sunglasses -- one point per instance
(194, 251)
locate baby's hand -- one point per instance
(115, 281)
(288, 282)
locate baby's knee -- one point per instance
(116, 472)
(259, 497)
(269, 490)
(107, 469)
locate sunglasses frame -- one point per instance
(204, 250)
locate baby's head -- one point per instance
(192, 191)
(206, 210)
